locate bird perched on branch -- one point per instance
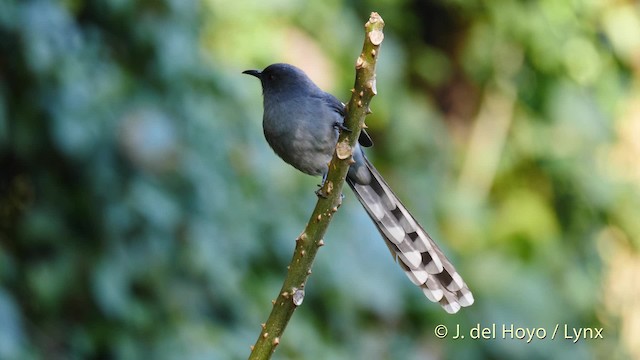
(301, 124)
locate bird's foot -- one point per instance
(321, 193)
(340, 126)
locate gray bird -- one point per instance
(301, 124)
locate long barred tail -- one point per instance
(422, 260)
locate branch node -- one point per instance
(302, 237)
(372, 86)
(298, 296)
(343, 150)
(376, 37)
(329, 188)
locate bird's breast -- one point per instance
(303, 136)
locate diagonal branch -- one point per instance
(308, 243)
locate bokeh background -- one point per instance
(143, 216)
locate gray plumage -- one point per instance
(301, 125)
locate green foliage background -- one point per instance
(142, 214)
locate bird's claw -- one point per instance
(340, 126)
(321, 193)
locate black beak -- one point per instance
(255, 73)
